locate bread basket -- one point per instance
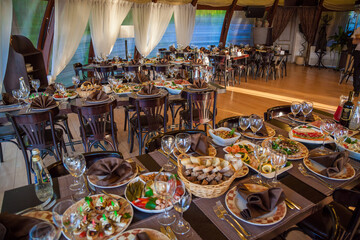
(205, 191)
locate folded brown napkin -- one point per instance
(140, 78)
(197, 61)
(204, 50)
(114, 170)
(187, 49)
(162, 49)
(134, 62)
(334, 162)
(149, 89)
(172, 49)
(8, 99)
(50, 89)
(262, 131)
(43, 101)
(259, 203)
(142, 236)
(301, 117)
(16, 227)
(200, 84)
(163, 61)
(199, 144)
(97, 95)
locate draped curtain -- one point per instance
(71, 18)
(184, 16)
(5, 31)
(281, 20)
(150, 23)
(105, 21)
(308, 24)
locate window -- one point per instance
(240, 30)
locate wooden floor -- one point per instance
(254, 96)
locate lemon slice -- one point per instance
(267, 168)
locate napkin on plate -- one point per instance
(187, 49)
(199, 144)
(259, 203)
(172, 49)
(334, 162)
(50, 89)
(16, 227)
(43, 101)
(199, 84)
(300, 116)
(8, 99)
(142, 236)
(197, 61)
(114, 170)
(262, 131)
(204, 50)
(140, 78)
(97, 95)
(163, 61)
(149, 89)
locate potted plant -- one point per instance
(339, 44)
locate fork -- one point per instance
(221, 216)
(225, 213)
(42, 207)
(306, 174)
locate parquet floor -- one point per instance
(254, 96)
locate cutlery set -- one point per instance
(304, 172)
(41, 207)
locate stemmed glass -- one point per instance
(183, 143)
(165, 185)
(181, 204)
(76, 81)
(35, 83)
(327, 127)
(340, 134)
(16, 94)
(43, 231)
(295, 108)
(24, 93)
(67, 222)
(278, 160)
(167, 145)
(262, 154)
(256, 123)
(76, 165)
(61, 89)
(306, 108)
(244, 123)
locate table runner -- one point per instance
(256, 231)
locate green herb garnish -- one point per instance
(126, 215)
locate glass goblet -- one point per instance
(167, 145)
(327, 127)
(262, 155)
(306, 108)
(340, 135)
(181, 203)
(295, 108)
(43, 231)
(244, 123)
(76, 165)
(35, 83)
(76, 81)
(183, 142)
(16, 94)
(256, 123)
(165, 185)
(67, 222)
(278, 160)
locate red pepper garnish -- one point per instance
(101, 234)
(83, 234)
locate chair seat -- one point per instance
(89, 133)
(185, 115)
(48, 138)
(144, 121)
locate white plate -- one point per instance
(175, 91)
(44, 109)
(329, 139)
(148, 96)
(243, 142)
(100, 101)
(153, 234)
(224, 142)
(142, 209)
(352, 154)
(235, 203)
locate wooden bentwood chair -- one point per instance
(97, 124)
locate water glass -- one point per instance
(168, 145)
(16, 94)
(244, 123)
(295, 108)
(183, 142)
(262, 154)
(306, 108)
(76, 81)
(327, 127)
(43, 231)
(66, 222)
(181, 204)
(35, 83)
(165, 185)
(76, 165)
(256, 123)
(278, 160)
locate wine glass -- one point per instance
(295, 108)
(43, 231)
(165, 184)
(278, 160)
(76, 81)
(183, 142)
(16, 94)
(167, 145)
(340, 134)
(256, 123)
(181, 202)
(76, 165)
(35, 83)
(244, 123)
(68, 222)
(306, 108)
(262, 155)
(327, 127)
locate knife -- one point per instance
(162, 229)
(171, 233)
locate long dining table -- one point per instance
(304, 191)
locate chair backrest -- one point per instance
(152, 108)
(104, 72)
(77, 68)
(92, 157)
(57, 169)
(277, 112)
(132, 68)
(230, 122)
(33, 125)
(161, 68)
(97, 116)
(202, 104)
(155, 143)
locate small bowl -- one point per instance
(222, 141)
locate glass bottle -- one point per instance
(43, 181)
(355, 118)
(337, 114)
(347, 110)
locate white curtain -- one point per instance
(71, 18)
(150, 23)
(184, 16)
(5, 31)
(105, 21)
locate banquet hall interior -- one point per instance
(180, 119)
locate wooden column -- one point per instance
(46, 34)
(227, 20)
(91, 52)
(272, 12)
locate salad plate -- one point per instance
(224, 136)
(352, 145)
(308, 134)
(174, 89)
(294, 150)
